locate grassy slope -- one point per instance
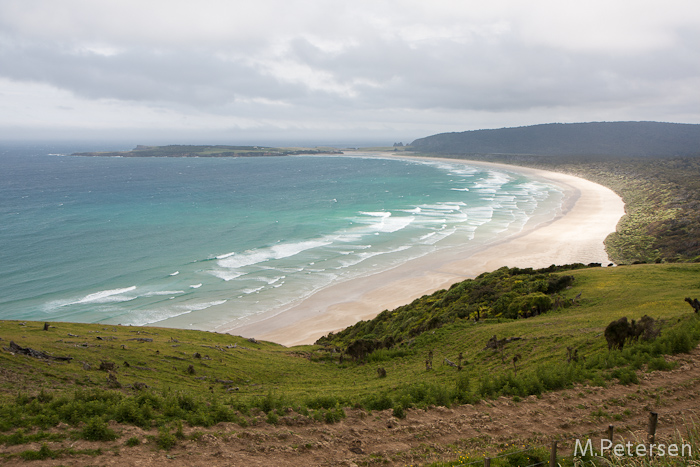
(301, 373)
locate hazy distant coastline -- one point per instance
(208, 151)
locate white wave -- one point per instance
(283, 250)
(196, 286)
(394, 224)
(224, 256)
(459, 189)
(106, 296)
(250, 291)
(455, 169)
(226, 275)
(276, 279)
(453, 206)
(435, 237)
(480, 215)
(201, 306)
(163, 292)
(287, 270)
(268, 280)
(371, 254)
(387, 222)
(415, 210)
(145, 317)
(376, 214)
(344, 237)
(175, 273)
(492, 183)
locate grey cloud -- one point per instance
(498, 76)
(189, 77)
(308, 73)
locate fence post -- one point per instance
(487, 462)
(611, 430)
(553, 455)
(653, 419)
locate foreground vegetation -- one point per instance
(161, 377)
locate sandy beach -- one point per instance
(590, 212)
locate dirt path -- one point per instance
(423, 436)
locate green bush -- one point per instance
(179, 432)
(129, 411)
(382, 355)
(165, 440)
(381, 402)
(334, 415)
(322, 402)
(626, 376)
(133, 441)
(272, 418)
(660, 364)
(399, 412)
(43, 453)
(97, 429)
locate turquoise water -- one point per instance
(137, 241)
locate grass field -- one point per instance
(240, 374)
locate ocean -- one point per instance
(135, 241)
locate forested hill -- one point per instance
(572, 139)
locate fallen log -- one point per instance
(14, 348)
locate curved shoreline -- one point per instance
(590, 212)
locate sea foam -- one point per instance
(105, 296)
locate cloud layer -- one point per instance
(313, 68)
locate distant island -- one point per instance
(176, 150)
(621, 139)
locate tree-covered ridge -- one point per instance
(177, 150)
(507, 293)
(572, 139)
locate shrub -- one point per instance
(44, 396)
(322, 402)
(660, 363)
(272, 418)
(626, 376)
(165, 440)
(269, 403)
(334, 415)
(399, 412)
(680, 341)
(382, 402)
(97, 429)
(128, 411)
(43, 453)
(179, 433)
(462, 384)
(133, 441)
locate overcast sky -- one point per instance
(327, 70)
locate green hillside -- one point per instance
(617, 139)
(148, 376)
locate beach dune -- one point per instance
(590, 212)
